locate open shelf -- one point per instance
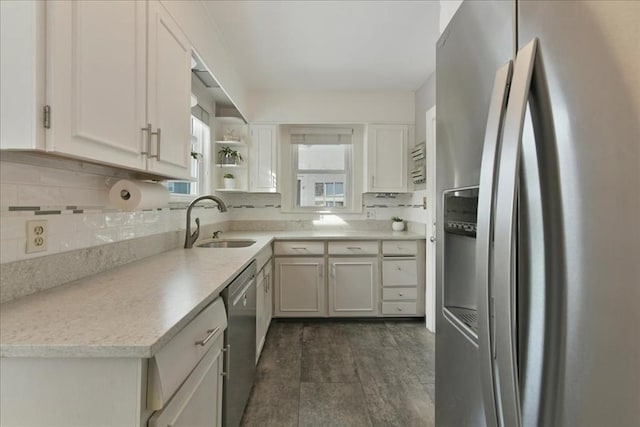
(225, 165)
(231, 143)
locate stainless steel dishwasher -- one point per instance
(240, 344)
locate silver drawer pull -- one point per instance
(398, 268)
(210, 334)
(399, 308)
(400, 294)
(299, 248)
(354, 248)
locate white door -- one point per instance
(262, 159)
(198, 402)
(387, 158)
(96, 77)
(432, 199)
(169, 97)
(353, 286)
(300, 289)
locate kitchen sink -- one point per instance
(227, 243)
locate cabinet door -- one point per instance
(353, 286)
(300, 289)
(387, 158)
(198, 402)
(169, 97)
(260, 313)
(262, 159)
(268, 277)
(96, 64)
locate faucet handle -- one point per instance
(216, 234)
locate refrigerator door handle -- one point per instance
(484, 237)
(504, 272)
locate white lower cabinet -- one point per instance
(199, 401)
(260, 313)
(264, 305)
(181, 385)
(353, 287)
(300, 288)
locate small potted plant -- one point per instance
(228, 156)
(397, 223)
(229, 181)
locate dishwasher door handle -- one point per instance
(227, 362)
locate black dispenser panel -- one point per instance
(461, 212)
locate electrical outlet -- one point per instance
(37, 237)
(371, 214)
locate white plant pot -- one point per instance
(397, 225)
(229, 183)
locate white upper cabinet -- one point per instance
(96, 80)
(263, 159)
(112, 68)
(22, 67)
(386, 159)
(168, 100)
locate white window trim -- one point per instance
(287, 170)
(204, 178)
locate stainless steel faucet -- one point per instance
(216, 234)
(190, 239)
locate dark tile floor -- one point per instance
(344, 373)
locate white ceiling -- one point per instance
(330, 45)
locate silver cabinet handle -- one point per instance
(354, 248)
(432, 239)
(400, 294)
(158, 135)
(210, 334)
(148, 131)
(488, 176)
(399, 308)
(299, 248)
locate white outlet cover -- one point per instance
(37, 236)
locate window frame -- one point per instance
(202, 181)
(347, 184)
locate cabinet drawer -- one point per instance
(399, 308)
(395, 294)
(299, 248)
(399, 272)
(173, 362)
(399, 247)
(353, 248)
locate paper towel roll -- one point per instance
(136, 195)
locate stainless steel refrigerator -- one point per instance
(538, 237)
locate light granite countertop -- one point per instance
(135, 309)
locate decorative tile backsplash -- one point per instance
(73, 198)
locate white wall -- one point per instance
(194, 19)
(331, 107)
(73, 197)
(448, 8)
(425, 99)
